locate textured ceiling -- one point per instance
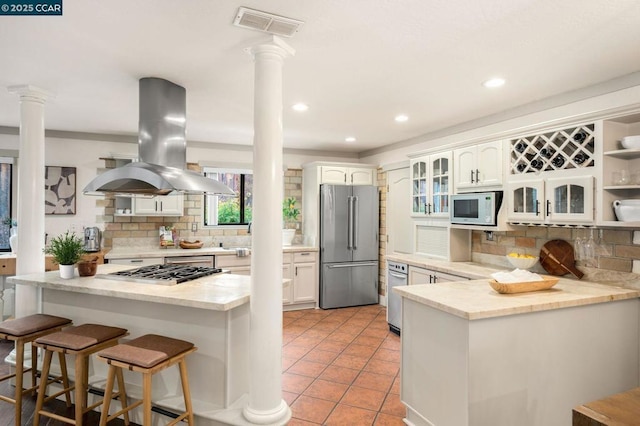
(358, 63)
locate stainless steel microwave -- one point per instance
(476, 208)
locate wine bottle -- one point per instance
(520, 147)
(547, 152)
(579, 137)
(558, 161)
(537, 164)
(579, 158)
(521, 167)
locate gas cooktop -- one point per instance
(162, 274)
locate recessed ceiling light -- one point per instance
(300, 106)
(494, 82)
(401, 118)
(350, 139)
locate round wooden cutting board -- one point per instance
(557, 258)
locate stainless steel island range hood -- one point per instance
(162, 149)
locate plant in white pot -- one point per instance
(290, 214)
(66, 249)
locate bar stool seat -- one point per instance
(148, 355)
(25, 330)
(80, 341)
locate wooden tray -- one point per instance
(507, 288)
(191, 244)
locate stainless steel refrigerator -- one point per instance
(348, 245)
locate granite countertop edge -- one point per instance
(221, 292)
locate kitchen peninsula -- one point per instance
(471, 356)
(212, 312)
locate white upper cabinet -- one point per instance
(167, 205)
(551, 177)
(430, 185)
(478, 167)
(558, 200)
(341, 175)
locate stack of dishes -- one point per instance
(631, 142)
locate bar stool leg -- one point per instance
(108, 392)
(146, 396)
(123, 395)
(80, 389)
(184, 379)
(19, 373)
(46, 364)
(65, 378)
(34, 370)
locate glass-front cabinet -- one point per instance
(430, 185)
(557, 200)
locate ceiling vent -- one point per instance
(267, 22)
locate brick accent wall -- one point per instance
(121, 230)
(382, 250)
(616, 249)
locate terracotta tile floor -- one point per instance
(341, 367)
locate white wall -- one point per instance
(571, 112)
(85, 156)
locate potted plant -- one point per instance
(66, 249)
(290, 214)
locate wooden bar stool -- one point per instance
(25, 330)
(148, 355)
(80, 341)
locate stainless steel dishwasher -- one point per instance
(397, 275)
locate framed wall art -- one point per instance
(59, 190)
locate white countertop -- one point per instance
(220, 292)
(470, 270)
(476, 299)
(140, 252)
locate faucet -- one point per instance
(249, 228)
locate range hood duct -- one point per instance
(162, 149)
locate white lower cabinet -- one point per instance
(427, 276)
(300, 268)
(305, 277)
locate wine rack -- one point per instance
(569, 148)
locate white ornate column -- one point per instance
(265, 404)
(30, 258)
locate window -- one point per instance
(5, 203)
(236, 209)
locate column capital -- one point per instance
(32, 93)
(273, 44)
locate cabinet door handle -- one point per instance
(477, 176)
(136, 261)
(429, 205)
(296, 273)
(537, 207)
(471, 176)
(305, 254)
(435, 279)
(548, 208)
(425, 208)
(160, 205)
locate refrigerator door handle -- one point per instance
(354, 228)
(351, 265)
(349, 223)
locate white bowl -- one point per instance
(522, 262)
(631, 142)
(627, 210)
